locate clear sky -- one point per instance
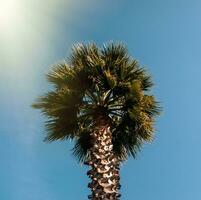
(165, 36)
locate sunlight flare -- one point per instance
(9, 14)
(24, 25)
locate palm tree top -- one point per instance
(96, 83)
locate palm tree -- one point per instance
(100, 99)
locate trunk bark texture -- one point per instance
(104, 171)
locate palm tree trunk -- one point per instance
(104, 171)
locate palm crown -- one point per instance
(98, 83)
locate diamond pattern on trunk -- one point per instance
(104, 171)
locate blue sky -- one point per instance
(165, 36)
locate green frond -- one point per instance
(114, 53)
(82, 145)
(62, 75)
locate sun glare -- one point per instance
(8, 13)
(27, 24)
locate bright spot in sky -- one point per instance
(23, 26)
(9, 13)
(28, 29)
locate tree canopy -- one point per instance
(95, 82)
